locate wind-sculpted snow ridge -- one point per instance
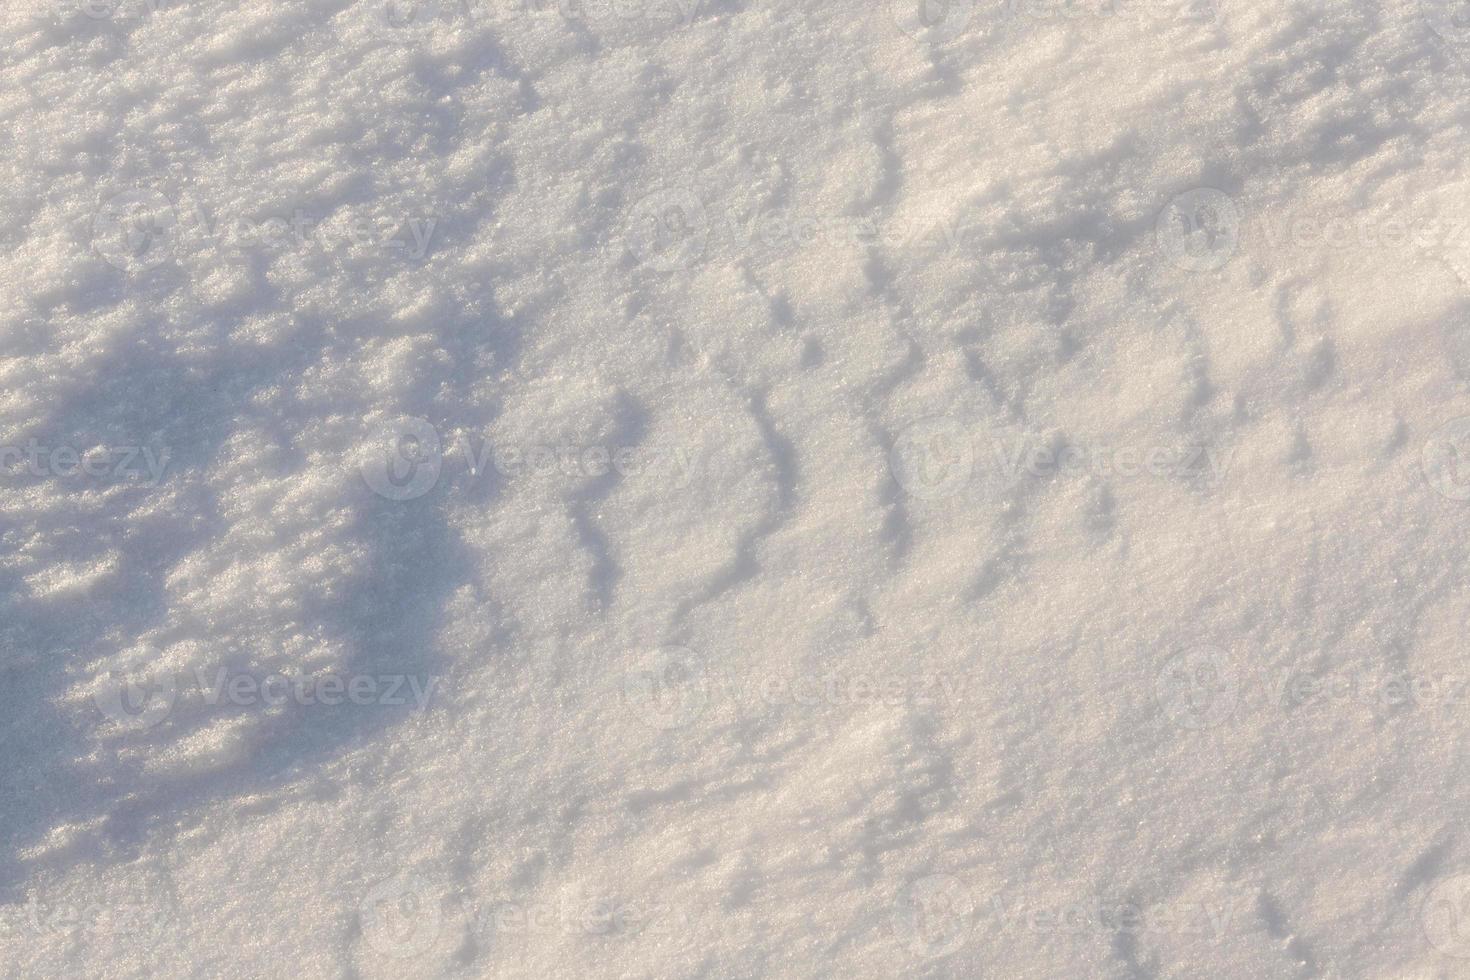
(709, 488)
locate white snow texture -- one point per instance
(735, 488)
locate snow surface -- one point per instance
(734, 488)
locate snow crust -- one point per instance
(734, 488)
